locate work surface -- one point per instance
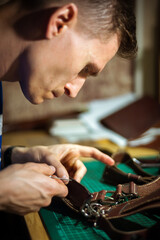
(68, 227)
(61, 226)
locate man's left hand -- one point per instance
(65, 158)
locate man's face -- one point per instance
(51, 68)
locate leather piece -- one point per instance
(113, 175)
(134, 119)
(124, 157)
(147, 202)
(115, 233)
(143, 190)
(77, 194)
(147, 198)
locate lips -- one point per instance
(57, 94)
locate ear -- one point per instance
(62, 19)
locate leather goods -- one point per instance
(134, 119)
(113, 175)
(105, 211)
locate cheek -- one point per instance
(30, 83)
(32, 72)
(36, 61)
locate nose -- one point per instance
(72, 88)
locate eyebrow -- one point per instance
(92, 69)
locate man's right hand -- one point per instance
(25, 188)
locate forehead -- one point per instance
(101, 53)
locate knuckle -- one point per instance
(65, 192)
(93, 151)
(73, 153)
(85, 169)
(47, 202)
(30, 165)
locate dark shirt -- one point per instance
(1, 108)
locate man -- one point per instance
(50, 47)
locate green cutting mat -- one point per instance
(67, 227)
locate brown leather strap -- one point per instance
(124, 157)
(78, 194)
(104, 210)
(149, 162)
(115, 233)
(113, 175)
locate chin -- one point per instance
(34, 100)
(37, 101)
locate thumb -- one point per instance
(60, 170)
(42, 168)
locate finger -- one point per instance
(79, 171)
(59, 189)
(41, 168)
(60, 169)
(95, 153)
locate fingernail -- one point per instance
(112, 162)
(65, 181)
(78, 179)
(53, 168)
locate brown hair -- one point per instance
(100, 19)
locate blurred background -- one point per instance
(120, 77)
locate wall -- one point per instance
(148, 36)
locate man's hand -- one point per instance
(27, 187)
(64, 157)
